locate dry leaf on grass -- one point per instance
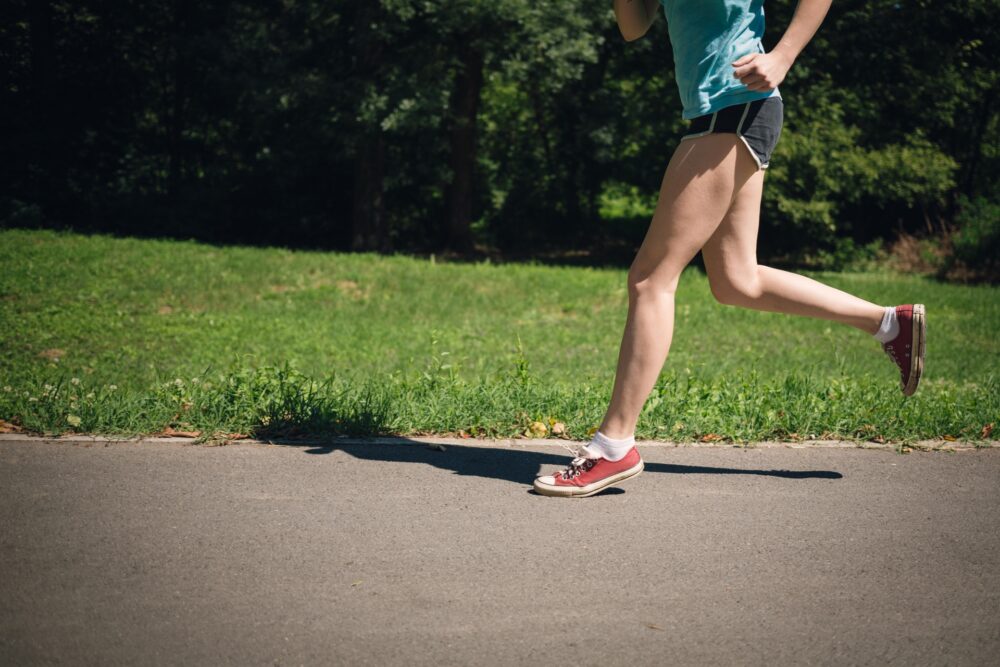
(987, 431)
(537, 430)
(172, 432)
(7, 427)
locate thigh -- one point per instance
(732, 248)
(698, 188)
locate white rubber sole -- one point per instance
(590, 489)
(917, 353)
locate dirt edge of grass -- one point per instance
(938, 445)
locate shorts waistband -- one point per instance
(728, 119)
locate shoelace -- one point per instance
(891, 351)
(577, 466)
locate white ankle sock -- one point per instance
(609, 448)
(890, 326)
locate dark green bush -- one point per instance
(823, 175)
(976, 244)
(849, 255)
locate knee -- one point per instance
(732, 289)
(643, 282)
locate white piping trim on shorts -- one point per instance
(711, 126)
(753, 153)
(739, 133)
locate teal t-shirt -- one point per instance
(706, 37)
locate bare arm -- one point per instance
(635, 17)
(764, 71)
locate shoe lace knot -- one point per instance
(577, 466)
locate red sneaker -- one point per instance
(585, 477)
(907, 349)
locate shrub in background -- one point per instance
(822, 172)
(976, 242)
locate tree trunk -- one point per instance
(464, 109)
(181, 77)
(370, 231)
(42, 101)
(369, 228)
(971, 164)
(591, 173)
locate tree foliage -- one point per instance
(422, 124)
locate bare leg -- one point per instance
(731, 262)
(698, 188)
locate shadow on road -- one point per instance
(514, 465)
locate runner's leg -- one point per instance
(698, 188)
(736, 279)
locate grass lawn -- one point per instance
(127, 336)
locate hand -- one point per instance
(761, 71)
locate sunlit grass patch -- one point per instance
(278, 402)
(127, 336)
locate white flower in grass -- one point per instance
(90, 395)
(73, 420)
(112, 387)
(179, 382)
(48, 388)
(32, 400)
(195, 380)
(75, 380)
(7, 387)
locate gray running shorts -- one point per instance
(757, 123)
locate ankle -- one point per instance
(889, 326)
(616, 431)
(613, 449)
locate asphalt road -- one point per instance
(397, 554)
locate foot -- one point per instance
(587, 476)
(907, 348)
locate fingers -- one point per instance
(754, 78)
(743, 70)
(756, 75)
(757, 82)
